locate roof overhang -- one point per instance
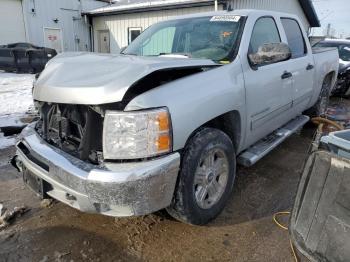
(115, 9)
(137, 8)
(310, 13)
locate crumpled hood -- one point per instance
(90, 78)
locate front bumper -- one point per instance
(116, 189)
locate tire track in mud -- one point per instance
(139, 230)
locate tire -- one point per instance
(319, 109)
(208, 165)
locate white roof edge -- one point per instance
(146, 4)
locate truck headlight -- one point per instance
(136, 134)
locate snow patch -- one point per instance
(16, 102)
(6, 141)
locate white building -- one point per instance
(12, 28)
(52, 23)
(116, 25)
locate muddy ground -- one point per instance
(243, 232)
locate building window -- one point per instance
(133, 32)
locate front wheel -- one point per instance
(206, 177)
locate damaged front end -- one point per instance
(75, 129)
(78, 129)
(54, 167)
(89, 153)
(61, 156)
(342, 87)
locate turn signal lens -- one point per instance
(163, 143)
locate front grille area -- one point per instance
(75, 129)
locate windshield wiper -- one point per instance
(176, 54)
(129, 54)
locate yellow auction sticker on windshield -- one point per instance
(225, 18)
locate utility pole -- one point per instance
(328, 34)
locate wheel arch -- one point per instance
(331, 77)
(328, 83)
(230, 123)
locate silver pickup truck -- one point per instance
(164, 123)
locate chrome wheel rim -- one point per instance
(210, 179)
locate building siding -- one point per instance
(118, 24)
(12, 28)
(75, 31)
(287, 6)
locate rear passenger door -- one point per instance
(301, 65)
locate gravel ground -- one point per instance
(243, 232)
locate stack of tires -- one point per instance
(24, 58)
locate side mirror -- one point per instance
(270, 54)
(122, 49)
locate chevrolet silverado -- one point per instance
(163, 124)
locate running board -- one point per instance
(254, 153)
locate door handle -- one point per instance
(310, 67)
(286, 75)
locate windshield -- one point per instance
(211, 37)
(344, 49)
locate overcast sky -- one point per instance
(336, 12)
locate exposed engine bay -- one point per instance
(76, 129)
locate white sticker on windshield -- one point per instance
(225, 18)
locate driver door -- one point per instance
(268, 87)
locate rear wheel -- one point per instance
(206, 178)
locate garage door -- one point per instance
(11, 22)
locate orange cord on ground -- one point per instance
(285, 228)
(321, 120)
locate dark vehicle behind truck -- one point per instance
(342, 87)
(24, 57)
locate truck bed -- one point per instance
(317, 50)
(326, 60)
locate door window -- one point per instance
(265, 32)
(295, 37)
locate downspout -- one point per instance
(26, 34)
(92, 39)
